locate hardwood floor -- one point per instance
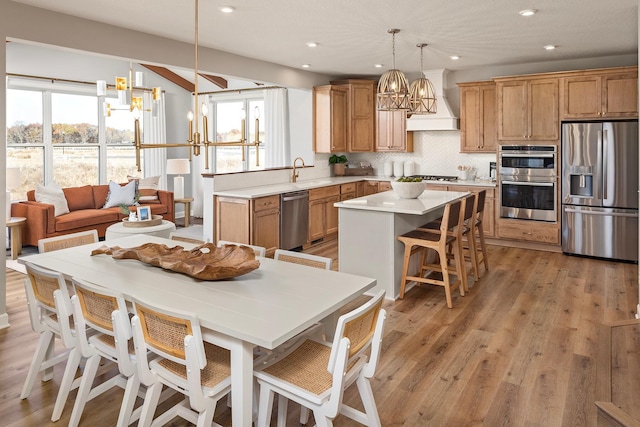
(519, 349)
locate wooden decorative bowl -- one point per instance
(155, 220)
(204, 262)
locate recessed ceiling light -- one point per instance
(550, 47)
(378, 65)
(312, 44)
(306, 65)
(227, 9)
(454, 57)
(528, 12)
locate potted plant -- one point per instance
(339, 164)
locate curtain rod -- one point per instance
(55, 79)
(240, 90)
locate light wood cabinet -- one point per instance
(384, 186)
(361, 114)
(330, 119)
(478, 117)
(370, 187)
(529, 231)
(252, 222)
(323, 216)
(528, 109)
(391, 133)
(600, 94)
(348, 191)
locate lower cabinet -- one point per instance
(348, 191)
(323, 216)
(252, 222)
(529, 231)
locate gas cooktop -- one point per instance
(436, 178)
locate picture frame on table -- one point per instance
(144, 213)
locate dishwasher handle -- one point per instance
(288, 197)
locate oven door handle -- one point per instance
(531, 184)
(547, 156)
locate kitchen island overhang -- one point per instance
(368, 228)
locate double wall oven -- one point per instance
(528, 181)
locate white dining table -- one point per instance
(265, 307)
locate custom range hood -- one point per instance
(444, 119)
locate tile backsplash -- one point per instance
(435, 153)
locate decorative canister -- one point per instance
(408, 169)
(387, 169)
(398, 169)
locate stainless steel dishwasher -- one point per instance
(294, 219)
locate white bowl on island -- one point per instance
(408, 190)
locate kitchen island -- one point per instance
(369, 227)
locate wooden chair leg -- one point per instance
(483, 247)
(444, 266)
(473, 254)
(461, 270)
(405, 268)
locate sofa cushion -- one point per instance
(147, 189)
(86, 218)
(52, 194)
(100, 195)
(79, 197)
(121, 195)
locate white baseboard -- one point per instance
(4, 321)
(638, 312)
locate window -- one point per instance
(229, 111)
(59, 132)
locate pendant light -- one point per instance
(422, 96)
(393, 89)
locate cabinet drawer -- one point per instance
(324, 192)
(270, 202)
(536, 232)
(348, 188)
(384, 186)
(438, 187)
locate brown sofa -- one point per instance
(86, 213)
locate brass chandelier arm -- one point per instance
(194, 142)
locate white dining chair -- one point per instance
(67, 241)
(258, 250)
(179, 359)
(50, 313)
(105, 313)
(303, 259)
(315, 374)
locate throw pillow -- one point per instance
(52, 194)
(147, 188)
(121, 195)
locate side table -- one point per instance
(15, 230)
(187, 208)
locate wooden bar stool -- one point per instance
(478, 232)
(438, 240)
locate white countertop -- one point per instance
(270, 190)
(389, 201)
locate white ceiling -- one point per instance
(352, 34)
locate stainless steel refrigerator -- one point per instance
(600, 189)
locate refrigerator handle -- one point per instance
(599, 163)
(605, 162)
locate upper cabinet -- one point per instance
(600, 94)
(330, 119)
(345, 109)
(391, 134)
(478, 117)
(528, 109)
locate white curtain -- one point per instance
(198, 163)
(276, 112)
(155, 132)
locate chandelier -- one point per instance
(128, 92)
(422, 96)
(195, 141)
(393, 92)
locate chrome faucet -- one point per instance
(294, 178)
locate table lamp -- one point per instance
(178, 167)
(13, 182)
